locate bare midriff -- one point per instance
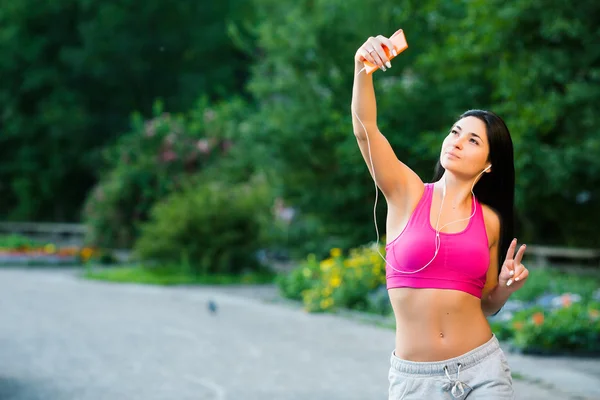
(436, 324)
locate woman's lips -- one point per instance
(452, 155)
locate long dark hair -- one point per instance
(496, 189)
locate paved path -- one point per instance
(65, 338)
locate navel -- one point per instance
(441, 334)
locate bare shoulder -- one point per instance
(492, 223)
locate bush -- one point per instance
(146, 165)
(210, 226)
(17, 242)
(554, 313)
(338, 281)
(571, 329)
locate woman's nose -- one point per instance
(458, 143)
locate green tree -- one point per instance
(522, 54)
(74, 70)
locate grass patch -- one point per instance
(173, 276)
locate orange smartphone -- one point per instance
(399, 41)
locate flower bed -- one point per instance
(19, 250)
(338, 281)
(566, 324)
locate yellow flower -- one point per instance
(327, 264)
(335, 252)
(86, 253)
(326, 292)
(326, 303)
(50, 248)
(335, 281)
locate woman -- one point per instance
(450, 259)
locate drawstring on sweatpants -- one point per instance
(456, 386)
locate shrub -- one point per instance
(573, 329)
(338, 281)
(558, 313)
(297, 281)
(144, 166)
(211, 226)
(17, 242)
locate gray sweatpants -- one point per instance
(482, 373)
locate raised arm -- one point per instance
(398, 183)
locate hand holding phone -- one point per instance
(377, 52)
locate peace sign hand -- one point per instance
(513, 274)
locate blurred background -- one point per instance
(211, 143)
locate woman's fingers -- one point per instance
(378, 54)
(522, 275)
(388, 43)
(511, 250)
(373, 51)
(366, 56)
(520, 253)
(507, 270)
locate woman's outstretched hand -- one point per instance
(373, 52)
(513, 274)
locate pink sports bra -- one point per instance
(461, 263)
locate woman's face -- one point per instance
(465, 150)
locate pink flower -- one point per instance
(149, 129)
(203, 146)
(168, 155)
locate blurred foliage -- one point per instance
(19, 242)
(544, 281)
(339, 281)
(146, 165)
(573, 329)
(74, 70)
(569, 323)
(515, 59)
(210, 227)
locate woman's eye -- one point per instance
(474, 141)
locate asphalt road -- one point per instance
(62, 338)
